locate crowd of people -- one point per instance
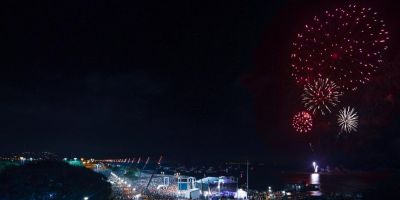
(122, 189)
(156, 189)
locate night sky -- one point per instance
(184, 79)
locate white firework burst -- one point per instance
(320, 95)
(348, 119)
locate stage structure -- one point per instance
(218, 186)
(186, 183)
(187, 188)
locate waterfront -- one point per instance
(351, 183)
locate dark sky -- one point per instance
(115, 78)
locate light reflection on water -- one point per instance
(315, 193)
(314, 178)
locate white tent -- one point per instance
(216, 180)
(241, 194)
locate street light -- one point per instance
(85, 198)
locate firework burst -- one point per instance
(320, 95)
(302, 122)
(348, 119)
(345, 45)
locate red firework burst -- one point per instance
(345, 45)
(302, 122)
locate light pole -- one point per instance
(247, 181)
